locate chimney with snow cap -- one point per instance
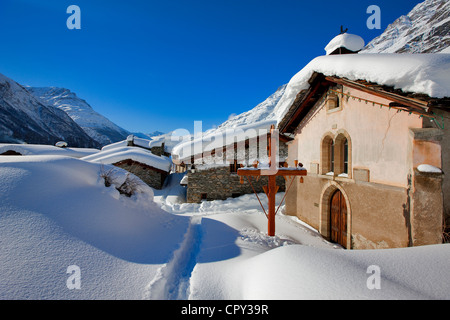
(130, 140)
(345, 43)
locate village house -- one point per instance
(372, 130)
(212, 161)
(156, 147)
(135, 156)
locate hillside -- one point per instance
(426, 29)
(94, 124)
(23, 118)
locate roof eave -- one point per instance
(320, 83)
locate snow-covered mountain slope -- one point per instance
(94, 124)
(263, 111)
(23, 118)
(261, 114)
(426, 29)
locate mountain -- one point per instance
(94, 124)
(24, 118)
(263, 111)
(426, 29)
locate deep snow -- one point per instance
(346, 40)
(114, 155)
(56, 212)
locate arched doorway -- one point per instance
(338, 218)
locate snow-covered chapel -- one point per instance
(372, 130)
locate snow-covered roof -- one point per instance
(221, 138)
(169, 140)
(417, 73)
(349, 41)
(428, 168)
(184, 180)
(144, 143)
(39, 149)
(114, 155)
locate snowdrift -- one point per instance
(56, 212)
(299, 264)
(303, 272)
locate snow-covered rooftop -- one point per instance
(221, 138)
(41, 150)
(169, 140)
(144, 143)
(115, 155)
(349, 41)
(417, 73)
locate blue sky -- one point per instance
(161, 65)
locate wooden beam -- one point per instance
(318, 85)
(271, 204)
(281, 172)
(416, 104)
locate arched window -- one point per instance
(333, 99)
(331, 147)
(327, 163)
(342, 155)
(345, 157)
(336, 155)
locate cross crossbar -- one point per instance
(271, 189)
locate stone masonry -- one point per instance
(151, 176)
(219, 184)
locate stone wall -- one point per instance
(219, 184)
(160, 151)
(378, 216)
(427, 208)
(151, 176)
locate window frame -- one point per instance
(336, 155)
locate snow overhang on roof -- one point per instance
(217, 139)
(138, 142)
(348, 41)
(143, 156)
(417, 74)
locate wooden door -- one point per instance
(338, 218)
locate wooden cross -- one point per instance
(272, 173)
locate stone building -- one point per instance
(220, 183)
(212, 162)
(372, 130)
(150, 168)
(152, 176)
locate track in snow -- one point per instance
(172, 280)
